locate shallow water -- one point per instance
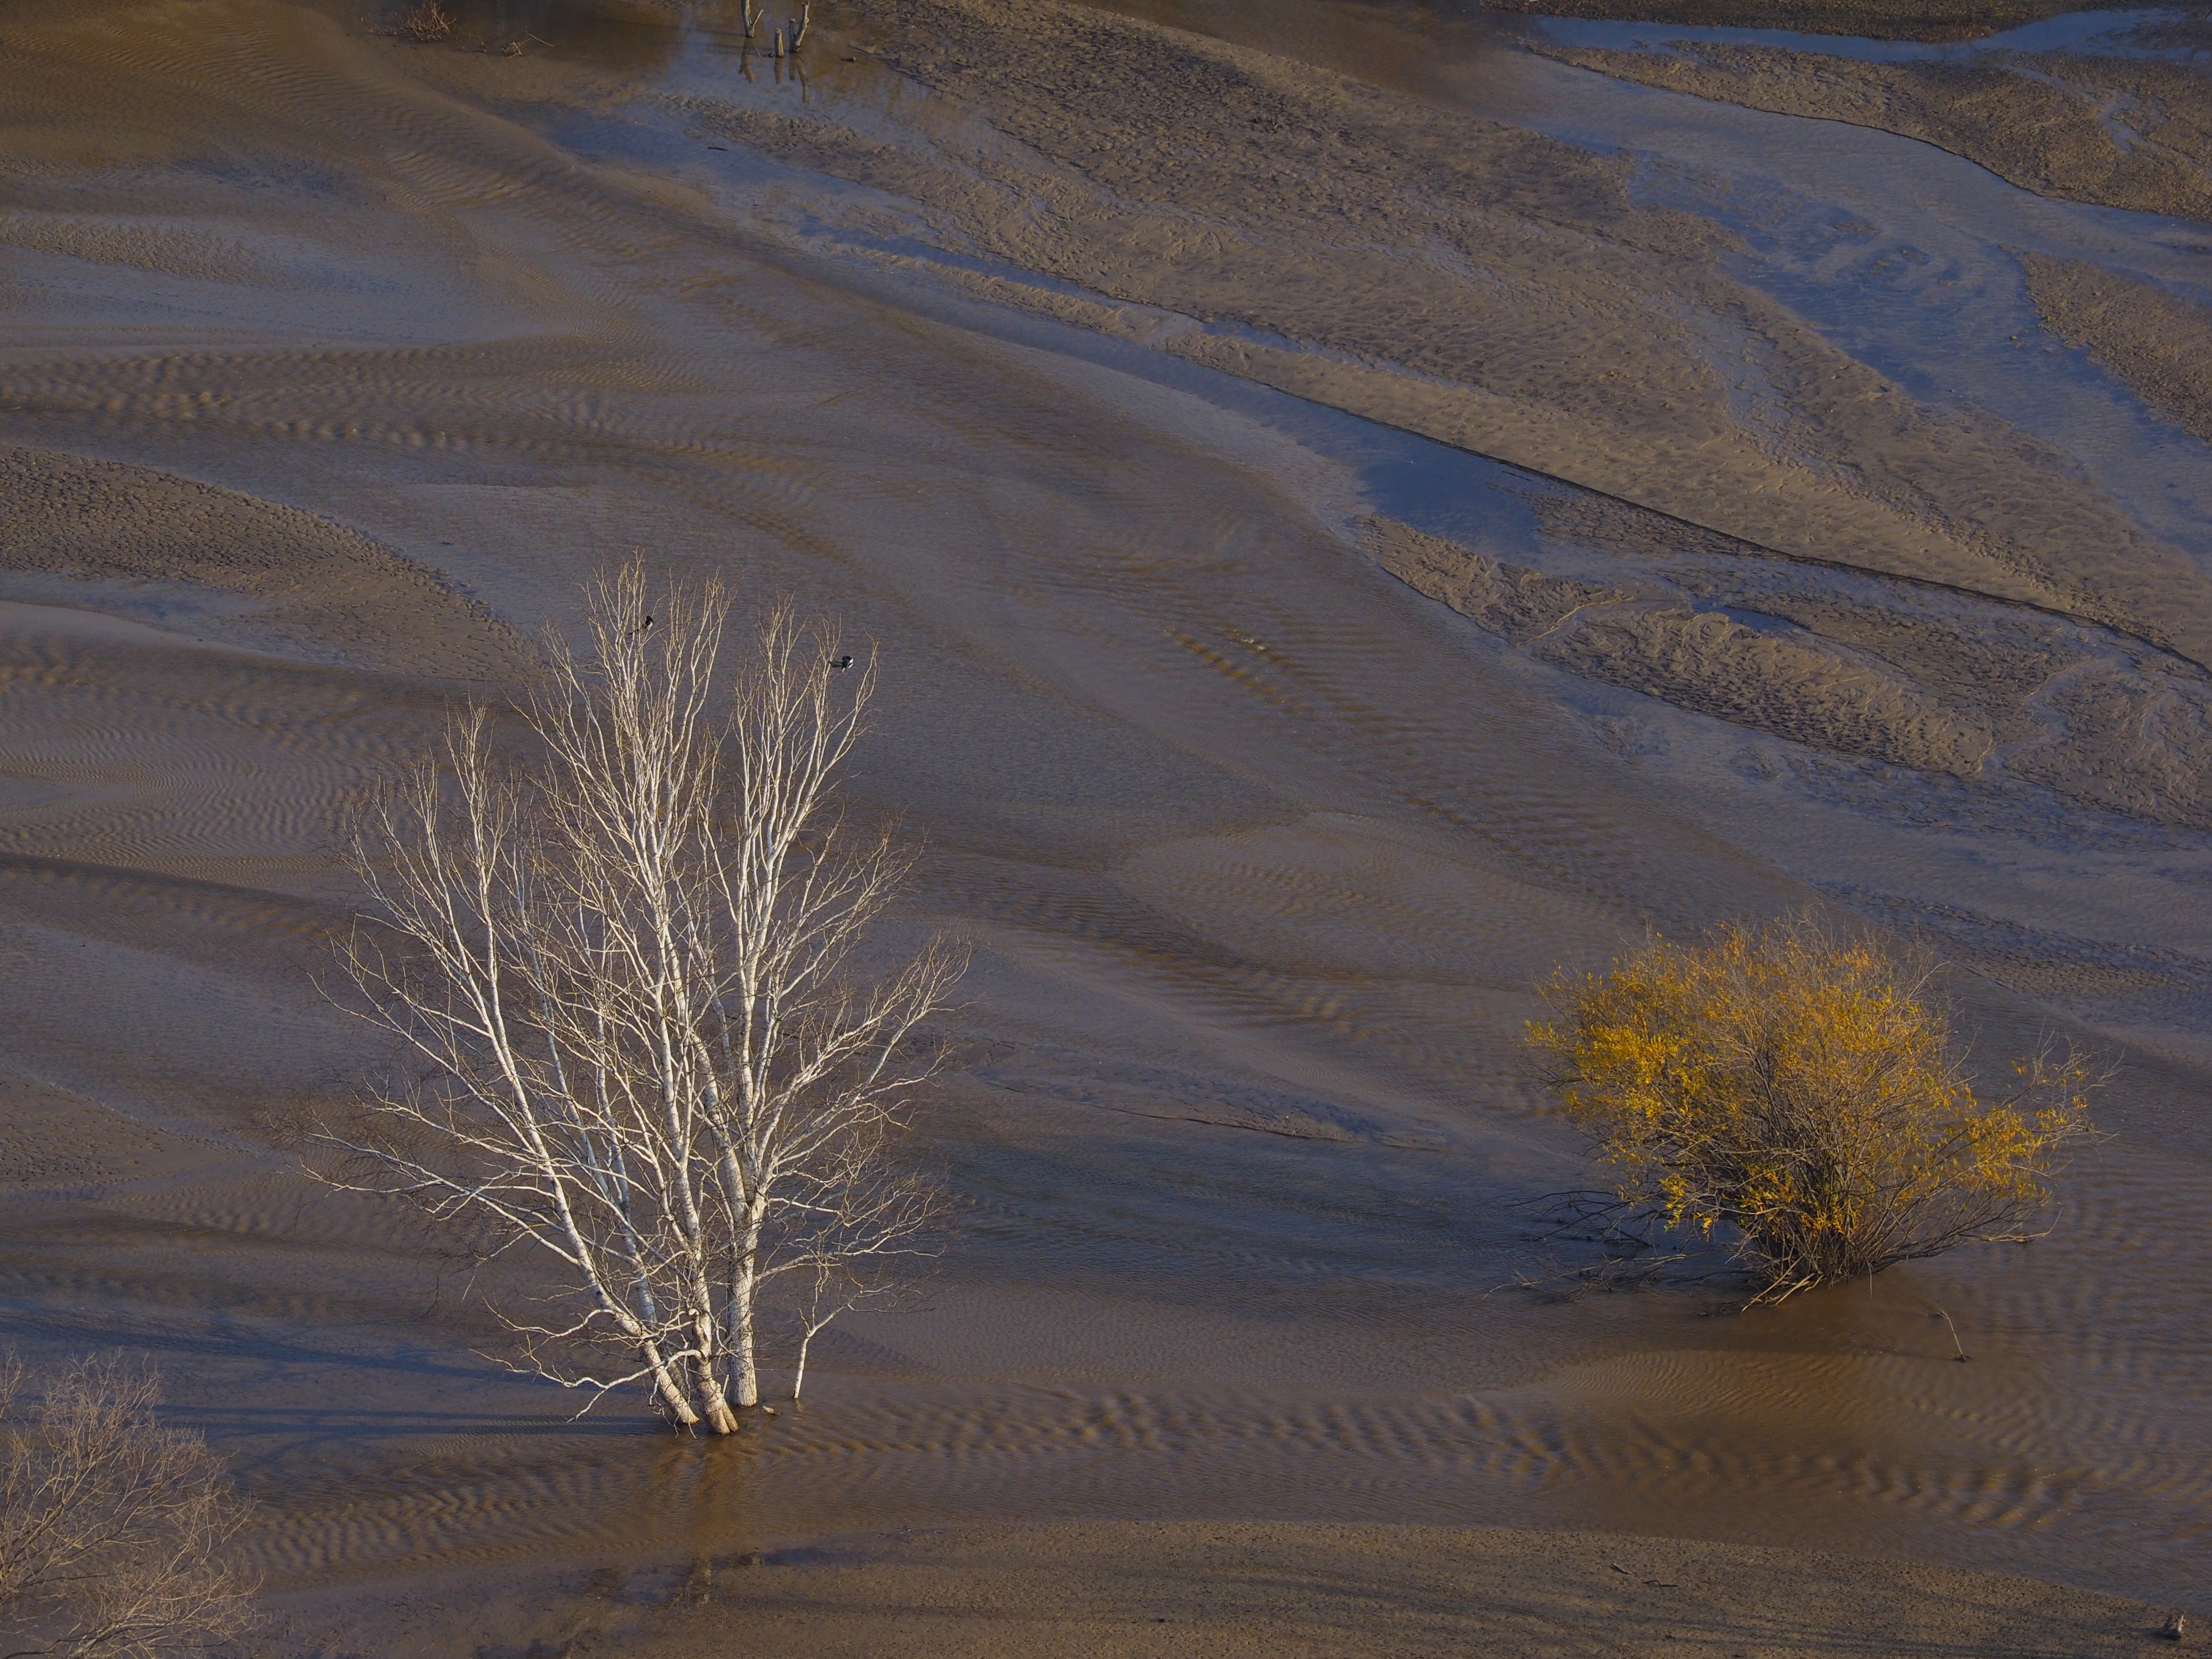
(1246, 832)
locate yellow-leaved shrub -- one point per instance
(1801, 1096)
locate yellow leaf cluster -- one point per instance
(1801, 1094)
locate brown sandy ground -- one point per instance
(1251, 833)
(2121, 132)
(1936, 681)
(1467, 281)
(1880, 19)
(54, 1143)
(1226, 1591)
(305, 580)
(1484, 286)
(2156, 342)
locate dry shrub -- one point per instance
(115, 1531)
(426, 21)
(1804, 1095)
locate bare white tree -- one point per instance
(115, 1533)
(626, 969)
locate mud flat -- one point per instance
(1347, 531)
(1137, 1588)
(2116, 108)
(2159, 343)
(1880, 19)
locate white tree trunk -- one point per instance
(624, 972)
(744, 1310)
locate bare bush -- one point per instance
(114, 1531)
(427, 21)
(626, 970)
(1803, 1095)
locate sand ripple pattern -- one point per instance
(123, 749)
(1442, 1460)
(1066, 358)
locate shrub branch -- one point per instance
(1803, 1097)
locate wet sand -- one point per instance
(2107, 106)
(1347, 530)
(1232, 1590)
(2157, 343)
(1878, 20)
